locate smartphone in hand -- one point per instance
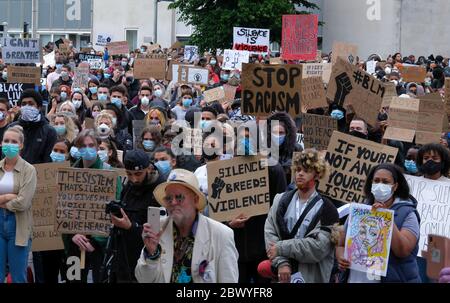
(153, 218)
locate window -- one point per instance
(132, 38)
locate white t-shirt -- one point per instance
(7, 183)
(202, 176)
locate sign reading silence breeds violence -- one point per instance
(268, 88)
(254, 40)
(351, 159)
(17, 50)
(238, 186)
(299, 41)
(82, 195)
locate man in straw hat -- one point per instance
(190, 247)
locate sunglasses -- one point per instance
(178, 198)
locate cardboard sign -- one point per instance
(18, 50)
(81, 77)
(150, 68)
(276, 61)
(103, 39)
(82, 195)
(13, 91)
(317, 70)
(412, 73)
(390, 93)
(49, 59)
(313, 93)
(238, 186)
(45, 236)
(233, 59)
(299, 37)
(193, 75)
(64, 49)
(254, 40)
(368, 239)
(351, 159)
(447, 95)
(350, 85)
(191, 53)
(118, 48)
(409, 118)
(346, 51)
(95, 63)
(215, 94)
(317, 130)
(24, 74)
(230, 92)
(268, 88)
(433, 200)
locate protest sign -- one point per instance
(420, 118)
(215, 94)
(368, 239)
(254, 40)
(49, 59)
(138, 126)
(233, 59)
(238, 186)
(81, 77)
(150, 68)
(191, 53)
(391, 92)
(350, 85)
(268, 88)
(13, 91)
(83, 57)
(18, 50)
(299, 37)
(313, 93)
(412, 73)
(371, 66)
(346, 51)
(196, 75)
(230, 92)
(275, 61)
(45, 236)
(64, 48)
(433, 199)
(95, 63)
(24, 74)
(118, 48)
(317, 70)
(351, 159)
(82, 195)
(317, 130)
(103, 39)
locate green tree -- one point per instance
(213, 20)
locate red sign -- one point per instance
(299, 38)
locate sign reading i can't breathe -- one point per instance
(238, 186)
(17, 50)
(254, 40)
(268, 88)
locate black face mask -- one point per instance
(209, 157)
(358, 134)
(430, 167)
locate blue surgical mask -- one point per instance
(205, 124)
(107, 76)
(63, 96)
(102, 97)
(75, 153)
(2, 116)
(337, 114)
(10, 150)
(187, 102)
(158, 93)
(213, 62)
(60, 129)
(93, 89)
(411, 166)
(164, 166)
(88, 153)
(57, 157)
(103, 155)
(149, 144)
(224, 77)
(117, 102)
(279, 139)
(382, 192)
(30, 114)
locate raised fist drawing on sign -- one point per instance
(344, 87)
(217, 187)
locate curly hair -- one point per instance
(309, 159)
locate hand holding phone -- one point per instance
(153, 218)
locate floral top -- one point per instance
(182, 257)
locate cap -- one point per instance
(136, 160)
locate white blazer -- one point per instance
(214, 242)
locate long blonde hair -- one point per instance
(71, 128)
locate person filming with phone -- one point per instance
(129, 215)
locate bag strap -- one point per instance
(303, 215)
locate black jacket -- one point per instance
(123, 140)
(60, 81)
(133, 89)
(136, 113)
(40, 138)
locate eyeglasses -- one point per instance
(179, 198)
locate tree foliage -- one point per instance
(213, 20)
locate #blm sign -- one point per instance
(350, 85)
(299, 37)
(45, 237)
(313, 93)
(118, 48)
(82, 195)
(254, 40)
(215, 94)
(433, 199)
(233, 59)
(346, 51)
(17, 50)
(317, 70)
(412, 73)
(13, 91)
(238, 186)
(268, 88)
(317, 130)
(24, 74)
(409, 118)
(351, 159)
(150, 68)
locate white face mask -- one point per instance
(103, 129)
(387, 70)
(382, 192)
(145, 101)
